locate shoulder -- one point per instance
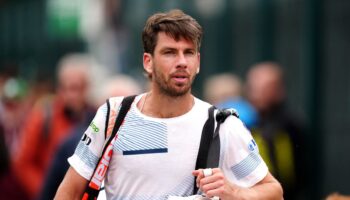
(200, 104)
(110, 107)
(113, 101)
(234, 122)
(234, 127)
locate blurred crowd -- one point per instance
(41, 123)
(261, 101)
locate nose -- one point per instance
(182, 61)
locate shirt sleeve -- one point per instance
(90, 146)
(240, 157)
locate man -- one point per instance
(157, 145)
(50, 121)
(278, 133)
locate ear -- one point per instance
(199, 61)
(147, 62)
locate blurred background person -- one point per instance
(14, 107)
(118, 85)
(226, 91)
(13, 94)
(50, 122)
(279, 133)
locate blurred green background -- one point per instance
(309, 38)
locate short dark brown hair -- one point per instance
(174, 23)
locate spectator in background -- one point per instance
(13, 109)
(13, 96)
(225, 91)
(119, 85)
(50, 122)
(279, 133)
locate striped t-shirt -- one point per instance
(154, 157)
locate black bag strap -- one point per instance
(107, 118)
(209, 149)
(207, 135)
(125, 106)
(90, 192)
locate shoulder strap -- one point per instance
(107, 116)
(125, 106)
(93, 188)
(209, 149)
(207, 135)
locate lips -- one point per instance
(180, 77)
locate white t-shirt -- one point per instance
(154, 157)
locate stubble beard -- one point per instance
(172, 90)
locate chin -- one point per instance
(179, 92)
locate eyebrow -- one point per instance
(175, 49)
(168, 48)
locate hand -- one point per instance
(216, 184)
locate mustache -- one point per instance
(181, 72)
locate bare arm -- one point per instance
(217, 185)
(72, 186)
(268, 188)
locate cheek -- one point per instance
(161, 68)
(195, 66)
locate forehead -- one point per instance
(73, 75)
(166, 41)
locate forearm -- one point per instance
(217, 185)
(268, 188)
(268, 191)
(66, 195)
(65, 192)
(72, 186)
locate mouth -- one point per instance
(180, 78)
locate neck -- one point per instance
(164, 106)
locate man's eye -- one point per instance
(169, 52)
(190, 53)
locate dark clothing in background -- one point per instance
(281, 140)
(60, 165)
(9, 185)
(4, 158)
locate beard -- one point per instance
(168, 88)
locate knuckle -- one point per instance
(221, 176)
(205, 189)
(216, 170)
(201, 182)
(221, 191)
